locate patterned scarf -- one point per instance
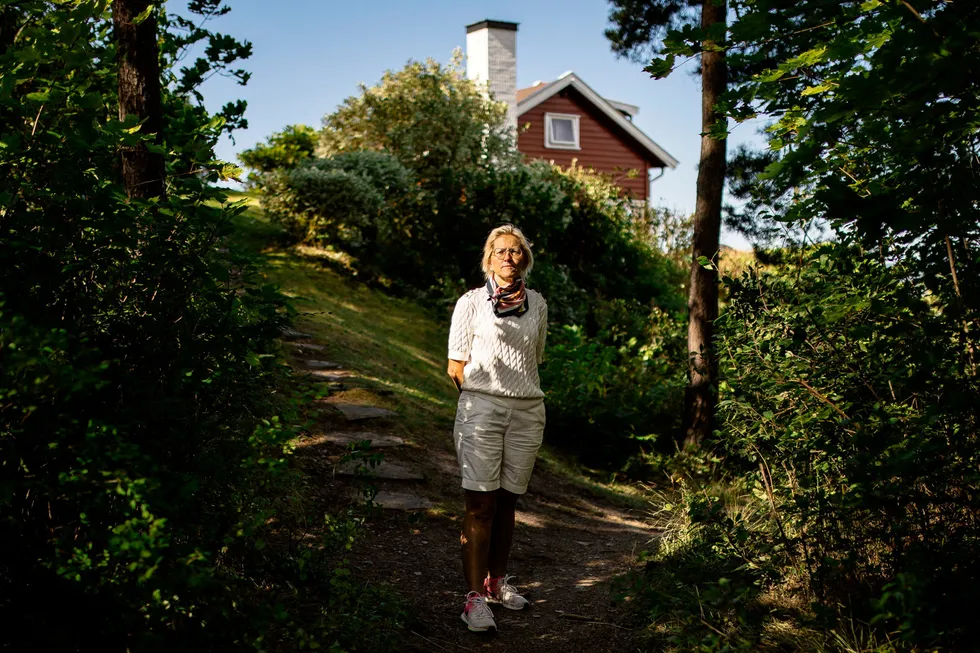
(507, 300)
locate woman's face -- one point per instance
(505, 264)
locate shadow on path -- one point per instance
(568, 546)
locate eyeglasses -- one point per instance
(502, 253)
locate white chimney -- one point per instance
(491, 58)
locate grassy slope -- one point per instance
(396, 344)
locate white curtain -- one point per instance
(562, 130)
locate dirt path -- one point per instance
(568, 546)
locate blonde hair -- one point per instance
(526, 262)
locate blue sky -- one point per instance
(311, 54)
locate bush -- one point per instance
(611, 398)
(282, 151)
(144, 419)
(852, 400)
(353, 202)
(836, 513)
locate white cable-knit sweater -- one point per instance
(502, 353)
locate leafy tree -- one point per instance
(880, 144)
(282, 151)
(650, 26)
(430, 116)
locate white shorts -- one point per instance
(497, 441)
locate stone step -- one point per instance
(312, 364)
(306, 346)
(293, 334)
(390, 471)
(344, 439)
(355, 412)
(336, 380)
(329, 376)
(402, 501)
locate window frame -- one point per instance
(561, 145)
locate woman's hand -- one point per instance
(455, 371)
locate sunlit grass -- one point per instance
(395, 344)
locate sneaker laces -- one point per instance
(476, 605)
(503, 582)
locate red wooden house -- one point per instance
(564, 120)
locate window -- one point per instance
(561, 131)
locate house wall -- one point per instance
(604, 146)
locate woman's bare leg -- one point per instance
(478, 523)
(502, 532)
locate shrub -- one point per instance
(611, 398)
(852, 401)
(144, 419)
(353, 202)
(332, 200)
(282, 151)
(836, 512)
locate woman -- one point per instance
(496, 343)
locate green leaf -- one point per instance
(230, 171)
(809, 58)
(819, 88)
(660, 67)
(143, 15)
(91, 100)
(771, 75)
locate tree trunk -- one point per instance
(701, 395)
(8, 28)
(140, 95)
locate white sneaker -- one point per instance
(499, 590)
(477, 615)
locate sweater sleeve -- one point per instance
(461, 331)
(542, 330)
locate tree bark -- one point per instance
(143, 171)
(701, 395)
(8, 28)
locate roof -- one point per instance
(492, 24)
(527, 92)
(629, 109)
(528, 98)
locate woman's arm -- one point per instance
(460, 339)
(542, 331)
